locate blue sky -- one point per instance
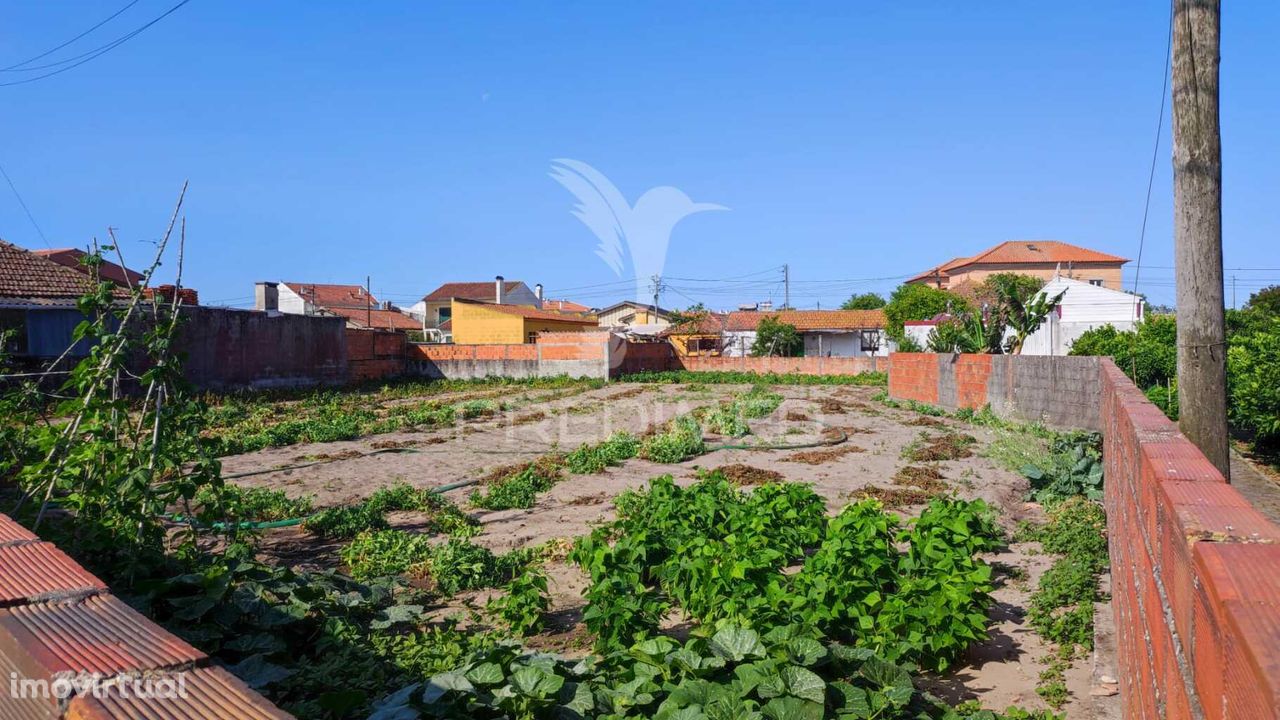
(412, 141)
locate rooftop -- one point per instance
(529, 313)
(810, 320)
(70, 257)
(472, 290)
(24, 274)
(1024, 252)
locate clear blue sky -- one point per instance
(411, 141)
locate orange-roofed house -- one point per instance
(436, 307)
(1044, 259)
(360, 308)
(474, 322)
(826, 333)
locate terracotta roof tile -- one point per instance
(471, 290)
(209, 694)
(1023, 252)
(24, 274)
(70, 257)
(810, 320)
(704, 324)
(564, 306)
(377, 318)
(530, 313)
(354, 304)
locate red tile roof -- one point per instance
(471, 290)
(70, 257)
(810, 320)
(1024, 252)
(530, 313)
(564, 306)
(353, 303)
(24, 274)
(710, 323)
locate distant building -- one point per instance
(109, 271)
(634, 317)
(1083, 307)
(360, 308)
(565, 306)
(826, 333)
(38, 304)
(700, 336)
(479, 323)
(1044, 259)
(436, 307)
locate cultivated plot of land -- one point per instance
(858, 447)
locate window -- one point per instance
(531, 337)
(871, 340)
(1096, 281)
(702, 345)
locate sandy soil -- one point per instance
(1000, 672)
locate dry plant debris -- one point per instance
(951, 446)
(741, 474)
(818, 457)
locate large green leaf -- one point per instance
(736, 644)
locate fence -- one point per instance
(1195, 569)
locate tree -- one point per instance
(1021, 316)
(918, 302)
(1266, 301)
(865, 301)
(1000, 285)
(693, 313)
(776, 338)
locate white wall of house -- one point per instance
(919, 333)
(737, 343)
(290, 301)
(1083, 307)
(843, 344)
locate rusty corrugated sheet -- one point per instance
(37, 571)
(97, 635)
(211, 694)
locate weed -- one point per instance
(380, 553)
(682, 439)
(233, 503)
(590, 459)
(525, 602)
(519, 490)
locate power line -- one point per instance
(95, 53)
(28, 61)
(25, 209)
(1155, 151)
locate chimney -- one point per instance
(266, 296)
(537, 292)
(386, 305)
(497, 290)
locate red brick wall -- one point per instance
(56, 618)
(781, 365)
(473, 352)
(1195, 572)
(914, 376)
(374, 354)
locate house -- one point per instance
(700, 336)
(38, 304)
(109, 271)
(1083, 307)
(435, 307)
(1044, 259)
(634, 318)
(360, 308)
(565, 306)
(474, 322)
(826, 333)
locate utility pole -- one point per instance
(1197, 229)
(786, 284)
(1233, 292)
(657, 288)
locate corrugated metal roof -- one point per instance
(211, 694)
(35, 571)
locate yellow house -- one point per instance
(481, 323)
(702, 336)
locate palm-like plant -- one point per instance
(1024, 316)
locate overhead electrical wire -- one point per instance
(92, 54)
(15, 67)
(25, 209)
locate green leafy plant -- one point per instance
(775, 338)
(591, 459)
(1074, 467)
(379, 553)
(864, 301)
(524, 603)
(236, 504)
(520, 489)
(681, 440)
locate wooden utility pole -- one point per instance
(1197, 229)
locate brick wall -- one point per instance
(1195, 572)
(57, 620)
(1059, 391)
(230, 349)
(374, 354)
(577, 354)
(637, 357)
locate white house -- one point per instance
(1083, 307)
(826, 333)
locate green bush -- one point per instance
(521, 488)
(1148, 355)
(591, 459)
(680, 441)
(524, 603)
(775, 338)
(918, 302)
(1253, 368)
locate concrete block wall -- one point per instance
(374, 354)
(58, 621)
(639, 357)
(230, 349)
(1058, 391)
(1195, 569)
